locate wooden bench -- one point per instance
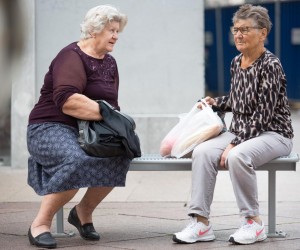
(154, 162)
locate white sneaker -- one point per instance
(249, 233)
(194, 231)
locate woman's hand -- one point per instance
(209, 100)
(224, 155)
(82, 107)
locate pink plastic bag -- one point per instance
(195, 127)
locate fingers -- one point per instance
(224, 155)
(199, 105)
(204, 101)
(210, 100)
(222, 162)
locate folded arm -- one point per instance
(82, 107)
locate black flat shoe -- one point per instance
(86, 231)
(44, 240)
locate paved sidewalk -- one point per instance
(146, 225)
(151, 207)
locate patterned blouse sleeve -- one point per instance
(223, 102)
(268, 92)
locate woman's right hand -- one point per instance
(209, 100)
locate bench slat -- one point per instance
(155, 162)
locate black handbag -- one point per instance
(113, 136)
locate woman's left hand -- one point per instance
(224, 155)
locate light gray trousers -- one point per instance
(241, 162)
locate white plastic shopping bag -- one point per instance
(167, 143)
(197, 126)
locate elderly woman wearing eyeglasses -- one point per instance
(260, 131)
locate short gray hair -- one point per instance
(97, 17)
(257, 13)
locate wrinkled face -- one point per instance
(106, 39)
(248, 36)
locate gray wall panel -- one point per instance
(160, 57)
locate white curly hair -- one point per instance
(97, 17)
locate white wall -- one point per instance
(23, 90)
(160, 56)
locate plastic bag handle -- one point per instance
(205, 104)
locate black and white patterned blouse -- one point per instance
(257, 99)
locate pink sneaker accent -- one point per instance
(204, 232)
(249, 233)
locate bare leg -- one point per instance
(50, 204)
(256, 219)
(202, 219)
(90, 201)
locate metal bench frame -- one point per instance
(154, 162)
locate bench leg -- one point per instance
(60, 233)
(272, 233)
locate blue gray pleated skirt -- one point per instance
(57, 163)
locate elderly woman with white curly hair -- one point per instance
(81, 73)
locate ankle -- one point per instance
(201, 219)
(81, 213)
(38, 229)
(256, 219)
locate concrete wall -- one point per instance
(160, 57)
(5, 93)
(23, 90)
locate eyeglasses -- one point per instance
(243, 30)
